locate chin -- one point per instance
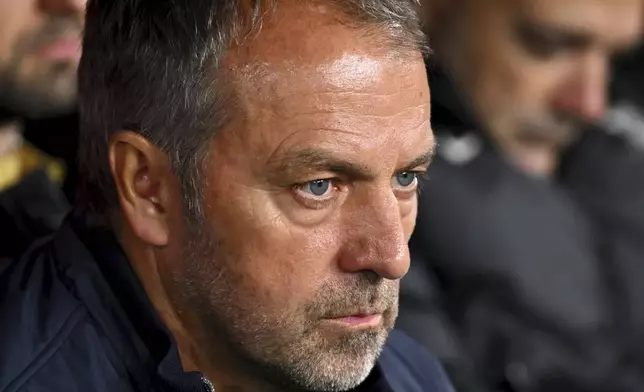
(338, 365)
(327, 358)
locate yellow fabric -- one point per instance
(15, 166)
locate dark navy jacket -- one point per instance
(74, 318)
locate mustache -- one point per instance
(365, 293)
(55, 28)
(557, 128)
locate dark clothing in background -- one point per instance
(36, 205)
(58, 137)
(625, 117)
(80, 321)
(31, 209)
(628, 79)
(524, 284)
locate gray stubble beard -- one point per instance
(263, 345)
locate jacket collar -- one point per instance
(112, 293)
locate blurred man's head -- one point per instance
(533, 69)
(39, 53)
(263, 163)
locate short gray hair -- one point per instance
(150, 66)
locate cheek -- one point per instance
(505, 81)
(492, 77)
(539, 80)
(280, 264)
(17, 20)
(8, 33)
(519, 84)
(532, 81)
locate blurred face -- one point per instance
(534, 69)
(310, 203)
(39, 54)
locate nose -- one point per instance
(583, 94)
(376, 239)
(63, 6)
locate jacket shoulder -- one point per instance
(409, 367)
(38, 314)
(49, 340)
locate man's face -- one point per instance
(535, 68)
(39, 54)
(310, 202)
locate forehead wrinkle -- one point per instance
(373, 105)
(358, 127)
(354, 140)
(357, 114)
(275, 82)
(309, 82)
(351, 111)
(354, 116)
(355, 69)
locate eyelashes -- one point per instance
(317, 193)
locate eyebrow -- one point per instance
(324, 160)
(572, 38)
(422, 160)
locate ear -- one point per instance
(144, 182)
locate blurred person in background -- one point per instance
(527, 258)
(39, 54)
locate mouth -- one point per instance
(359, 319)
(550, 132)
(61, 49)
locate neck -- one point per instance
(225, 368)
(216, 361)
(539, 161)
(538, 157)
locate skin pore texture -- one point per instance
(310, 197)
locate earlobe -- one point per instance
(141, 173)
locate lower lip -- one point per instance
(372, 320)
(63, 49)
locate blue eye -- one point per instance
(317, 188)
(404, 180)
